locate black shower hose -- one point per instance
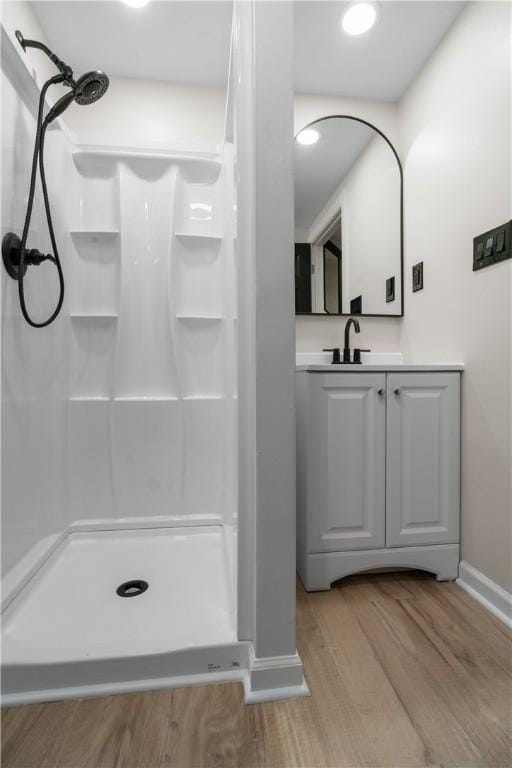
(39, 155)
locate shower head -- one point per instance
(90, 87)
(87, 89)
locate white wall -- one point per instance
(455, 147)
(314, 333)
(145, 112)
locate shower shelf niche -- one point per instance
(199, 277)
(95, 272)
(92, 340)
(199, 208)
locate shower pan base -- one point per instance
(69, 634)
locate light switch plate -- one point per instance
(390, 289)
(492, 246)
(356, 305)
(417, 277)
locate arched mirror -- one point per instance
(348, 220)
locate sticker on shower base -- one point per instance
(224, 667)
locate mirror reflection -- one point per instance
(348, 220)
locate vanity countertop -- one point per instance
(365, 368)
(373, 362)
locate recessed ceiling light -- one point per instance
(308, 136)
(359, 17)
(136, 3)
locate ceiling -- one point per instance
(320, 168)
(188, 41)
(182, 41)
(377, 65)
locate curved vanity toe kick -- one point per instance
(319, 570)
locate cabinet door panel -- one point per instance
(346, 495)
(423, 456)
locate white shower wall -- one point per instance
(34, 370)
(152, 391)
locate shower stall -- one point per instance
(122, 453)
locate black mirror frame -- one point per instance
(400, 169)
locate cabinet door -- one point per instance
(346, 492)
(423, 459)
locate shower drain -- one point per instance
(132, 588)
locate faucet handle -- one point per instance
(336, 360)
(357, 354)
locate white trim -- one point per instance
(274, 677)
(489, 594)
(276, 694)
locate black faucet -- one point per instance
(346, 349)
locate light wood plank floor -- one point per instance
(403, 672)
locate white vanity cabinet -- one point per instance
(346, 464)
(378, 471)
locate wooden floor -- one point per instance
(403, 672)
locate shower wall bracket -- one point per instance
(11, 251)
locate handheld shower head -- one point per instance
(86, 90)
(90, 87)
(59, 106)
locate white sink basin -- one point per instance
(368, 358)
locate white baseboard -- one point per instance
(493, 597)
(276, 694)
(272, 678)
